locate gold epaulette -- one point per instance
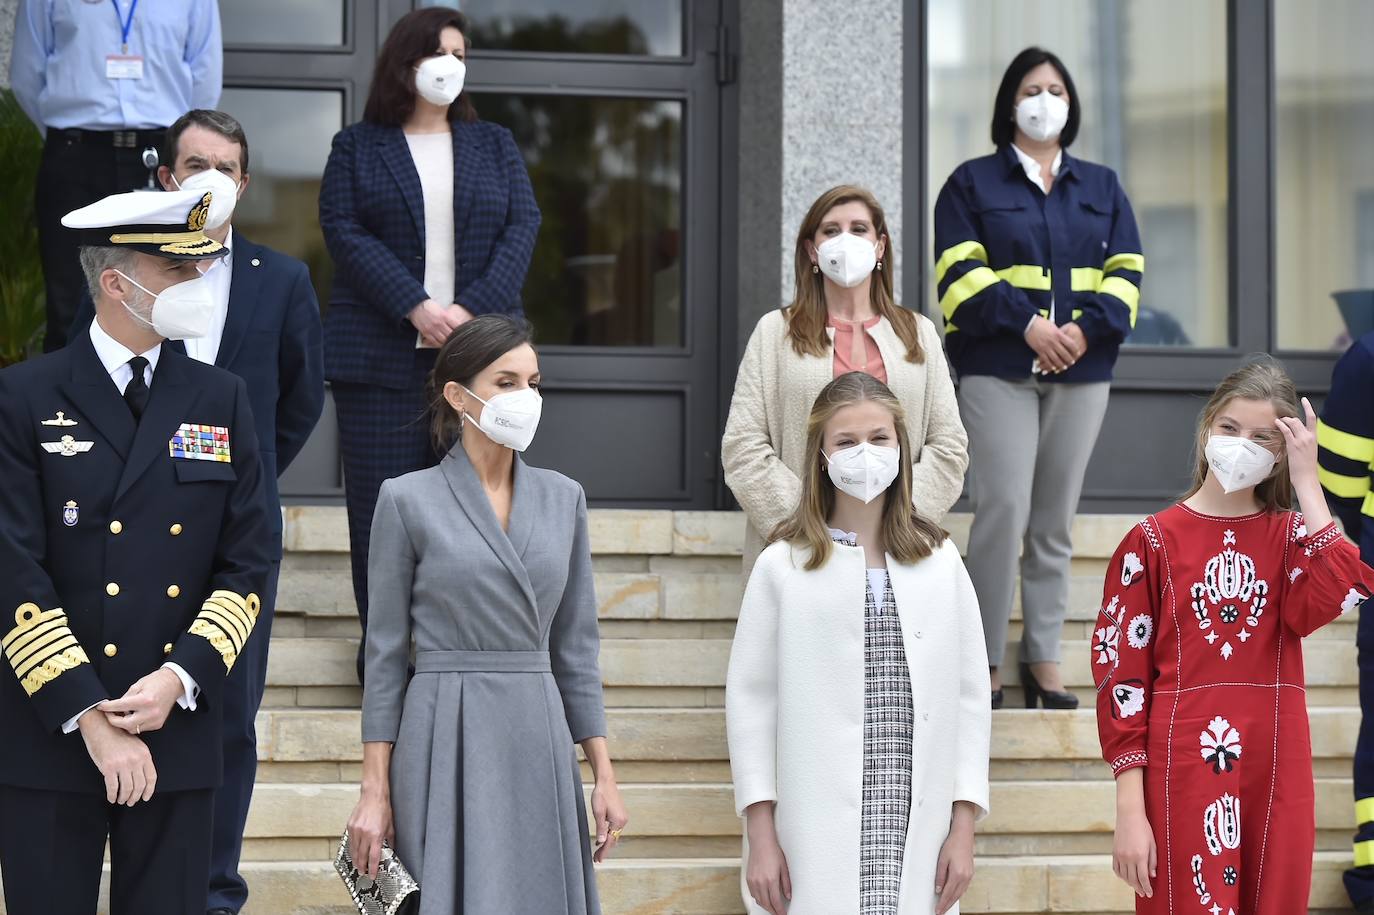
(225, 621)
(41, 647)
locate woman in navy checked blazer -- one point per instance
(430, 218)
(1038, 265)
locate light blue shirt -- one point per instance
(57, 69)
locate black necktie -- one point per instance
(136, 394)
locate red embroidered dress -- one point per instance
(1197, 656)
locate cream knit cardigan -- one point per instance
(765, 435)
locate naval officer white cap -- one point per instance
(166, 224)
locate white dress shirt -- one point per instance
(217, 275)
(1032, 168)
(115, 357)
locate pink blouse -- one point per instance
(857, 354)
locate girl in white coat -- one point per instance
(857, 701)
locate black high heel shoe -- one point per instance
(1035, 692)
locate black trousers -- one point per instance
(78, 168)
(383, 433)
(242, 696)
(52, 848)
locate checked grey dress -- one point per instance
(485, 787)
(888, 723)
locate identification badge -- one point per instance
(197, 442)
(123, 66)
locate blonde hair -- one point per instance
(806, 316)
(1263, 379)
(907, 536)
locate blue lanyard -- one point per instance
(125, 24)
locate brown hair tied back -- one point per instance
(907, 536)
(468, 350)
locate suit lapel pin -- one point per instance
(70, 513)
(256, 262)
(61, 420)
(67, 447)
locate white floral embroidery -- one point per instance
(1293, 575)
(1352, 601)
(1131, 569)
(1129, 698)
(1139, 632)
(1227, 651)
(1200, 885)
(1220, 745)
(1231, 586)
(1221, 824)
(1108, 638)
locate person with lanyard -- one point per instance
(1038, 266)
(134, 544)
(1345, 439)
(101, 81)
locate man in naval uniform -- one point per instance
(133, 544)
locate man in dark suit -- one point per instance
(267, 331)
(134, 545)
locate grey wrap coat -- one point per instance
(485, 787)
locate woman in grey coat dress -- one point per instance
(483, 563)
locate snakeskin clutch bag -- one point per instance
(392, 892)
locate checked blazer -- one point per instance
(372, 214)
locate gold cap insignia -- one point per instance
(195, 220)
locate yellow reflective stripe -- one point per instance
(1364, 853)
(1085, 279)
(965, 288)
(964, 251)
(1026, 276)
(1347, 445)
(1077, 313)
(1368, 508)
(1134, 262)
(1125, 290)
(1341, 486)
(1364, 811)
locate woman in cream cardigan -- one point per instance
(843, 317)
(857, 699)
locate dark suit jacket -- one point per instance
(121, 556)
(373, 217)
(272, 341)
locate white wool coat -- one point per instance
(794, 710)
(764, 446)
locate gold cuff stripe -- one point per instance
(22, 669)
(1364, 811)
(53, 668)
(39, 647)
(217, 639)
(964, 251)
(1364, 853)
(243, 623)
(238, 611)
(1346, 444)
(231, 597)
(28, 616)
(231, 627)
(1342, 486)
(30, 636)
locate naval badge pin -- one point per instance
(67, 447)
(61, 420)
(70, 513)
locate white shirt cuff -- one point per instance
(191, 689)
(70, 724)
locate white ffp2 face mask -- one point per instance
(439, 80)
(864, 471)
(1238, 463)
(224, 194)
(512, 418)
(182, 311)
(1042, 117)
(847, 259)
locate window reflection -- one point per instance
(607, 173)
(575, 26)
(1154, 109)
(289, 132)
(271, 22)
(1324, 225)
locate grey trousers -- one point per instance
(1029, 444)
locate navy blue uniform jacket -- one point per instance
(1004, 249)
(373, 216)
(119, 557)
(272, 340)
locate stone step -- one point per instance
(710, 886)
(309, 811)
(698, 735)
(297, 662)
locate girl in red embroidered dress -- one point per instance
(1197, 656)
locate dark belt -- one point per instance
(118, 139)
(503, 662)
